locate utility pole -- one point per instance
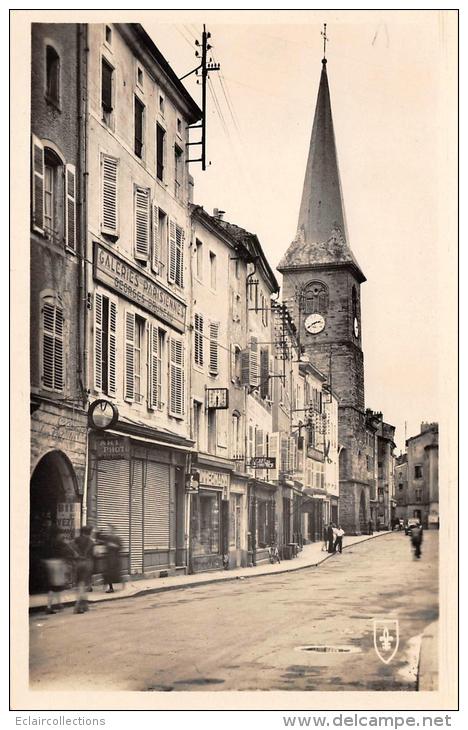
(205, 66)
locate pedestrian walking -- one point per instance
(325, 537)
(56, 566)
(112, 566)
(339, 539)
(416, 539)
(330, 538)
(371, 528)
(83, 546)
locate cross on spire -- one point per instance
(325, 39)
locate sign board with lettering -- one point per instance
(69, 518)
(125, 279)
(113, 447)
(217, 398)
(262, 462)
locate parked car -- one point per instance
(413, 522)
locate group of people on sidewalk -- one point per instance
(74, 561)
(333, 538)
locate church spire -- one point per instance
(321, 236)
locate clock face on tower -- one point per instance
(356, 327)
(314, 324)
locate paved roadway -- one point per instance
(247, 634)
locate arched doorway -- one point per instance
(362, 514)
(53, 482)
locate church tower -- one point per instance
(321, 285)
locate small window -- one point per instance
(179, 127)
(418, 472)
(108, 35)
(199, 259)
(213, 270)
(161, 104)
(160, 149)
(315, 298)
(106, 90)
(178, 171)
(139, 117)
(52, 75)
(140, 77)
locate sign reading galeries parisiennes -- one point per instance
(133, 284)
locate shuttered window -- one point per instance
(176, 254)
(198, 339)
(106, 87)
(105, 344)
(176, 378)
(155, 239)
(155, 367)
(273, 451)
(37, 191)
(113, 483)
(129, 363)
(160, 151)
(214, 348)
(139, 126)
(264, 372)
(70, 207)
(254, 374)
(142, 224)
(52, 345)
(157, 507)
(109, 195)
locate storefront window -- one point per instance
(205, 523)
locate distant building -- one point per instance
(422, 490)
(401, 485)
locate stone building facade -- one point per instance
(422, 491)
(58, 413)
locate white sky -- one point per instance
(392, 80)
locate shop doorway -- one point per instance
(53, 484)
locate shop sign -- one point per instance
(217, 398)
(69, 518)
(130, 282)
(68, 429)
(217, 479)
(192, 483)
(102, 414)
(262, 462)
(113, 447)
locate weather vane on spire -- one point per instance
(325, 39)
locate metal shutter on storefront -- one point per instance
(113, 480)
(157, 500)
(136, 516)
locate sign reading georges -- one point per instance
(133, 284)
(262, 462)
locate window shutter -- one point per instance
(264, 372)
(214, 351)
(245, 367)
(198, 339)
(37, 192)
(112, 358)
(154, 380)
(273, 451)
(254, 379)
(106, 89)
(284, 453)
(129, 356)
(180, 237)
(292, 455)
(176, 378)
(52, 346)
(172, 268)
(70, 207)
(142, 224)
(156, 254)
(58, 349)
(98, 341)
(109, 213)
(259, 442)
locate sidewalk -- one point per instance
(428, 668)
(311, 556)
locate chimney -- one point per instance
(218, 214)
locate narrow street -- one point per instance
(247, 635)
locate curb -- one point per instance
(427, 678)
(219, 579)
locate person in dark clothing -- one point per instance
(416, 540)
(83, 546)
(57, 554)
(331, 538)
(371, 528)
(113, 545)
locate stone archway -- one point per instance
(53, 481)
(363, 519)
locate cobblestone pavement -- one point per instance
(251, 634)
